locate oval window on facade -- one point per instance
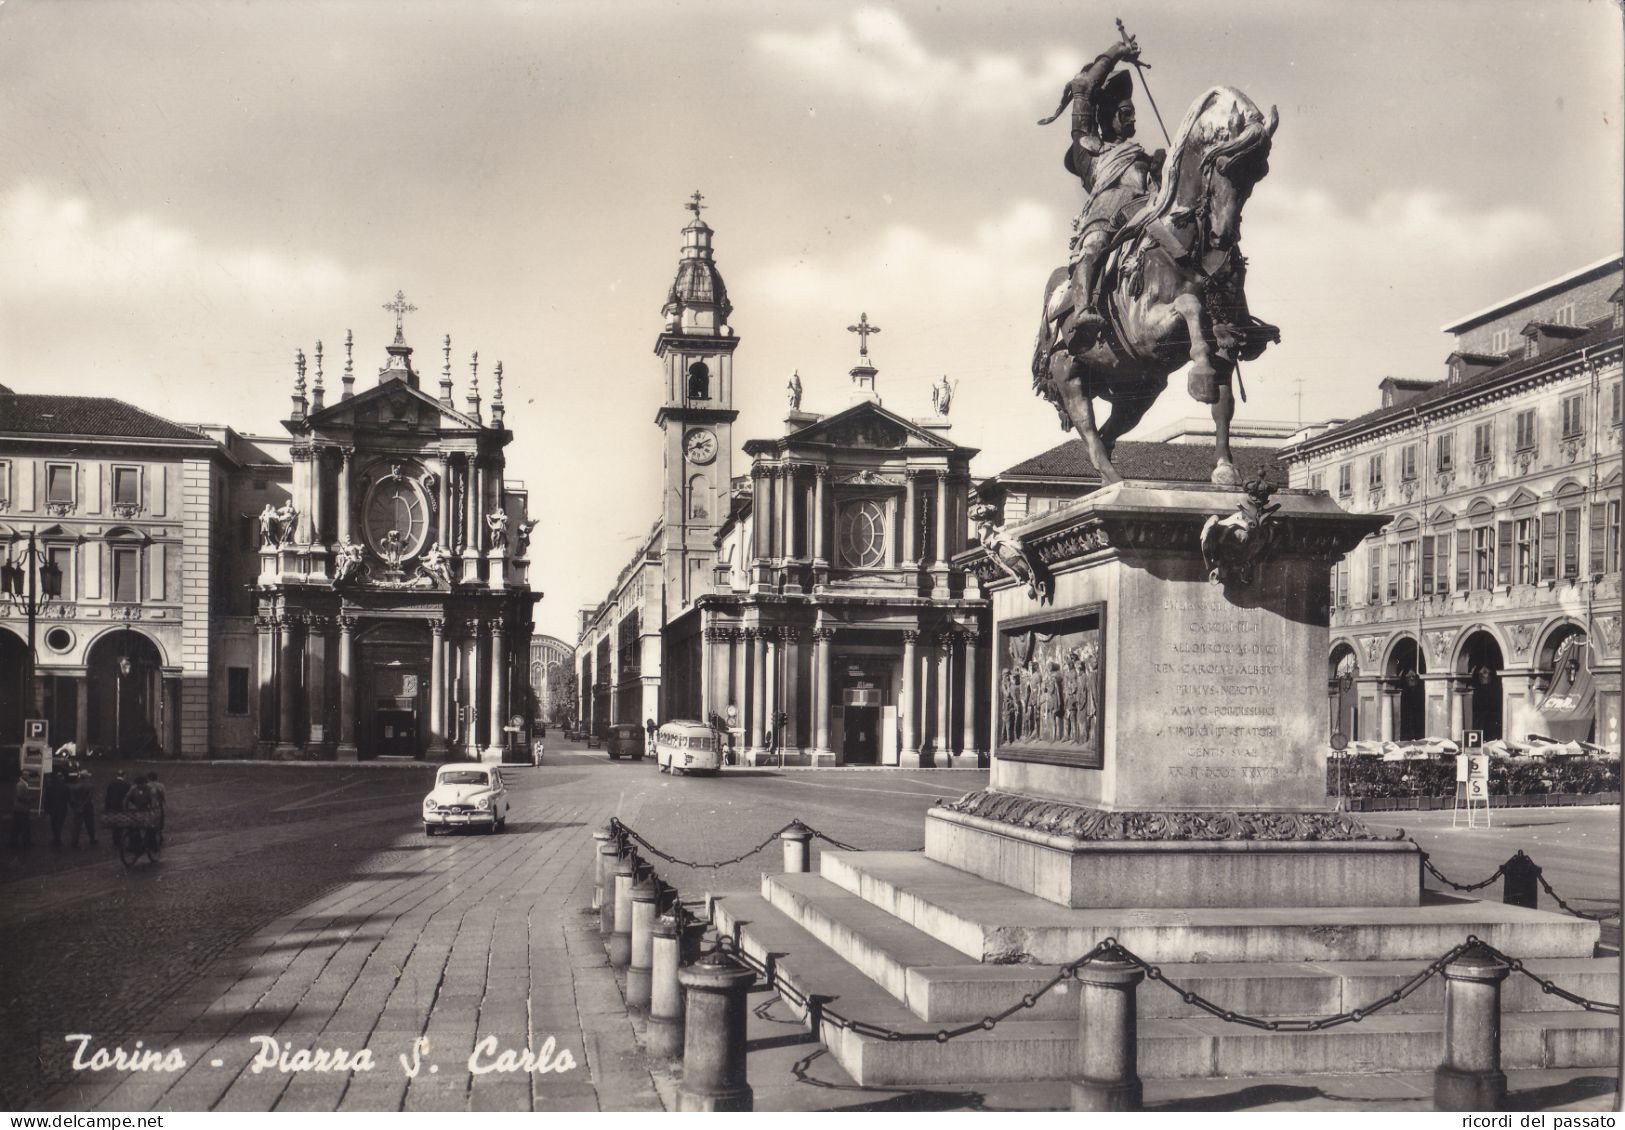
(863, 534)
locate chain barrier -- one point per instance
(1427, 862)
(1110, 950)
(1599, 916)
(624, 834)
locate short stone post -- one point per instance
(608, 856)
(797, 839)
(601, 870)
(664, 1034)
(620, 938)
(1470, 1078)
(1107, 1036)
(645, 895)
(1520, 877)
(714, 1035)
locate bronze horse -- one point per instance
(1171, 290)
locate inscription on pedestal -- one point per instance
(1050, 690)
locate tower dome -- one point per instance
(698, 299)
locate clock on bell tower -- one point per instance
(696, 353)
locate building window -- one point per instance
(1444, 452)
(1548, 547)
(1407, 569)
(1574, 415)
(59, 484)
(126, 574)
(236, 690)
(1407, 463)
(1571, 541)
(1464, 561)
(127, 489)
(1564, 315)
(1483, 438)
(1373, 575)
(1503, 553)
(1340, 583)
(699, 381)
(1345, 480)
(1526, 538)
(1500, 341)
(1524, 430)
(1605, 537)
(1613, 405)
(1435, 564)
(1483, 557)
(1317, 480)
(1373, 473)
(863, 534)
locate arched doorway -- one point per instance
(392, 715)
(1342, 677)
(1406, 666)
(1481, 665)
(125, 673)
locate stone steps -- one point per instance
(993, 923)
(1045, 1046)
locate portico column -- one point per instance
(1390, 707)
(910, 753)
(967, 747)
(316, 693)
(906, 544)
(471, 691)
(288, 687)
(81, 710)
(945, 652)
(759, 523)
(437, 688)
(821, 553)
(792, 687)
(753, 643)
(443, 526)
(316, 524)
(708, 672)
(1461, 707)
(346, 504)
(499, 672)
(821, 701)
(471, 528)
(265, 698)
(299, 492)
(770, 675)
(347, 748)
(942, 520)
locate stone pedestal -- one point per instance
(1159, 725)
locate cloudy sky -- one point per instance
(191, 191)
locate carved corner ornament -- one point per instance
(1008, 554)
(1058, 818)
(1234, 547)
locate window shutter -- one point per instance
(1393, 577)
(1548, 547)
(1503, 553)
(1598, 539)
(1464, 561)
(1571, 542)
(1428, 545)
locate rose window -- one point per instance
(863, 534)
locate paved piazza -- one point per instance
(304, 904)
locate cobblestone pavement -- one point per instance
(305, 905)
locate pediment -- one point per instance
(869, 426)
(394, 406)
(1523, 497)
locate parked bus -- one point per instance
(686, 746)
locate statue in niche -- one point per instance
(350, 563)
(436, 565)
(496, 523)
(287, 521)
(1007, 552)
(270, 537)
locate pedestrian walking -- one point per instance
(55, 803)
(117, 789)
(22, 816)
(82, 806)
(159, 799)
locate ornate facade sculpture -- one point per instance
(1008, 552)
(794, 386)
(350, 563)
(269, 538)
(522, 533)
(287, 520)
(436, 565)
(497, 523)
(942, 395)
(1234, 547)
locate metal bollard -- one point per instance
(645, 895)
(1107, 1037)
(797, 839)
(620, 938)
(664, 1035)
(1519, 876)
(1470, 1078)
(608, 856)
(602, 837)
(714, 1035)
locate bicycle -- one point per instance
(139, 833)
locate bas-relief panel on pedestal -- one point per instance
(1051, 679)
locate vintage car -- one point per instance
(685, 746)
(625, 740)
(466, 795)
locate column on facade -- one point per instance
(471, 689)
(911, 744)
(906, 534)
(708, 671)
(81, 711)
(470, 547)
(942, 520)
(316, 696)
(972, 702)
(945, 651)
(346, 503)
(287, 681)
(346, 688)
(736, 677)
(758, 680)
(821, 553)
(437, 686)
(316, 523)
(774, 692)
(443, 518)
(821, 688)
(759, 513)
(1388, 719)
(499, 686)
(265, 630)
(792, 688)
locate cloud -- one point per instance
(875, 52)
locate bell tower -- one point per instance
(696, 354)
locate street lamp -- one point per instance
(126, 613)
(30, 582)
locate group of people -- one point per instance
(1052, 697)
(70, 796)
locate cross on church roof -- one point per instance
(863, 329)
(400, 307)
(694, 204)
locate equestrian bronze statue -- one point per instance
(1156, 275)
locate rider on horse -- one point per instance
(1116, 173)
